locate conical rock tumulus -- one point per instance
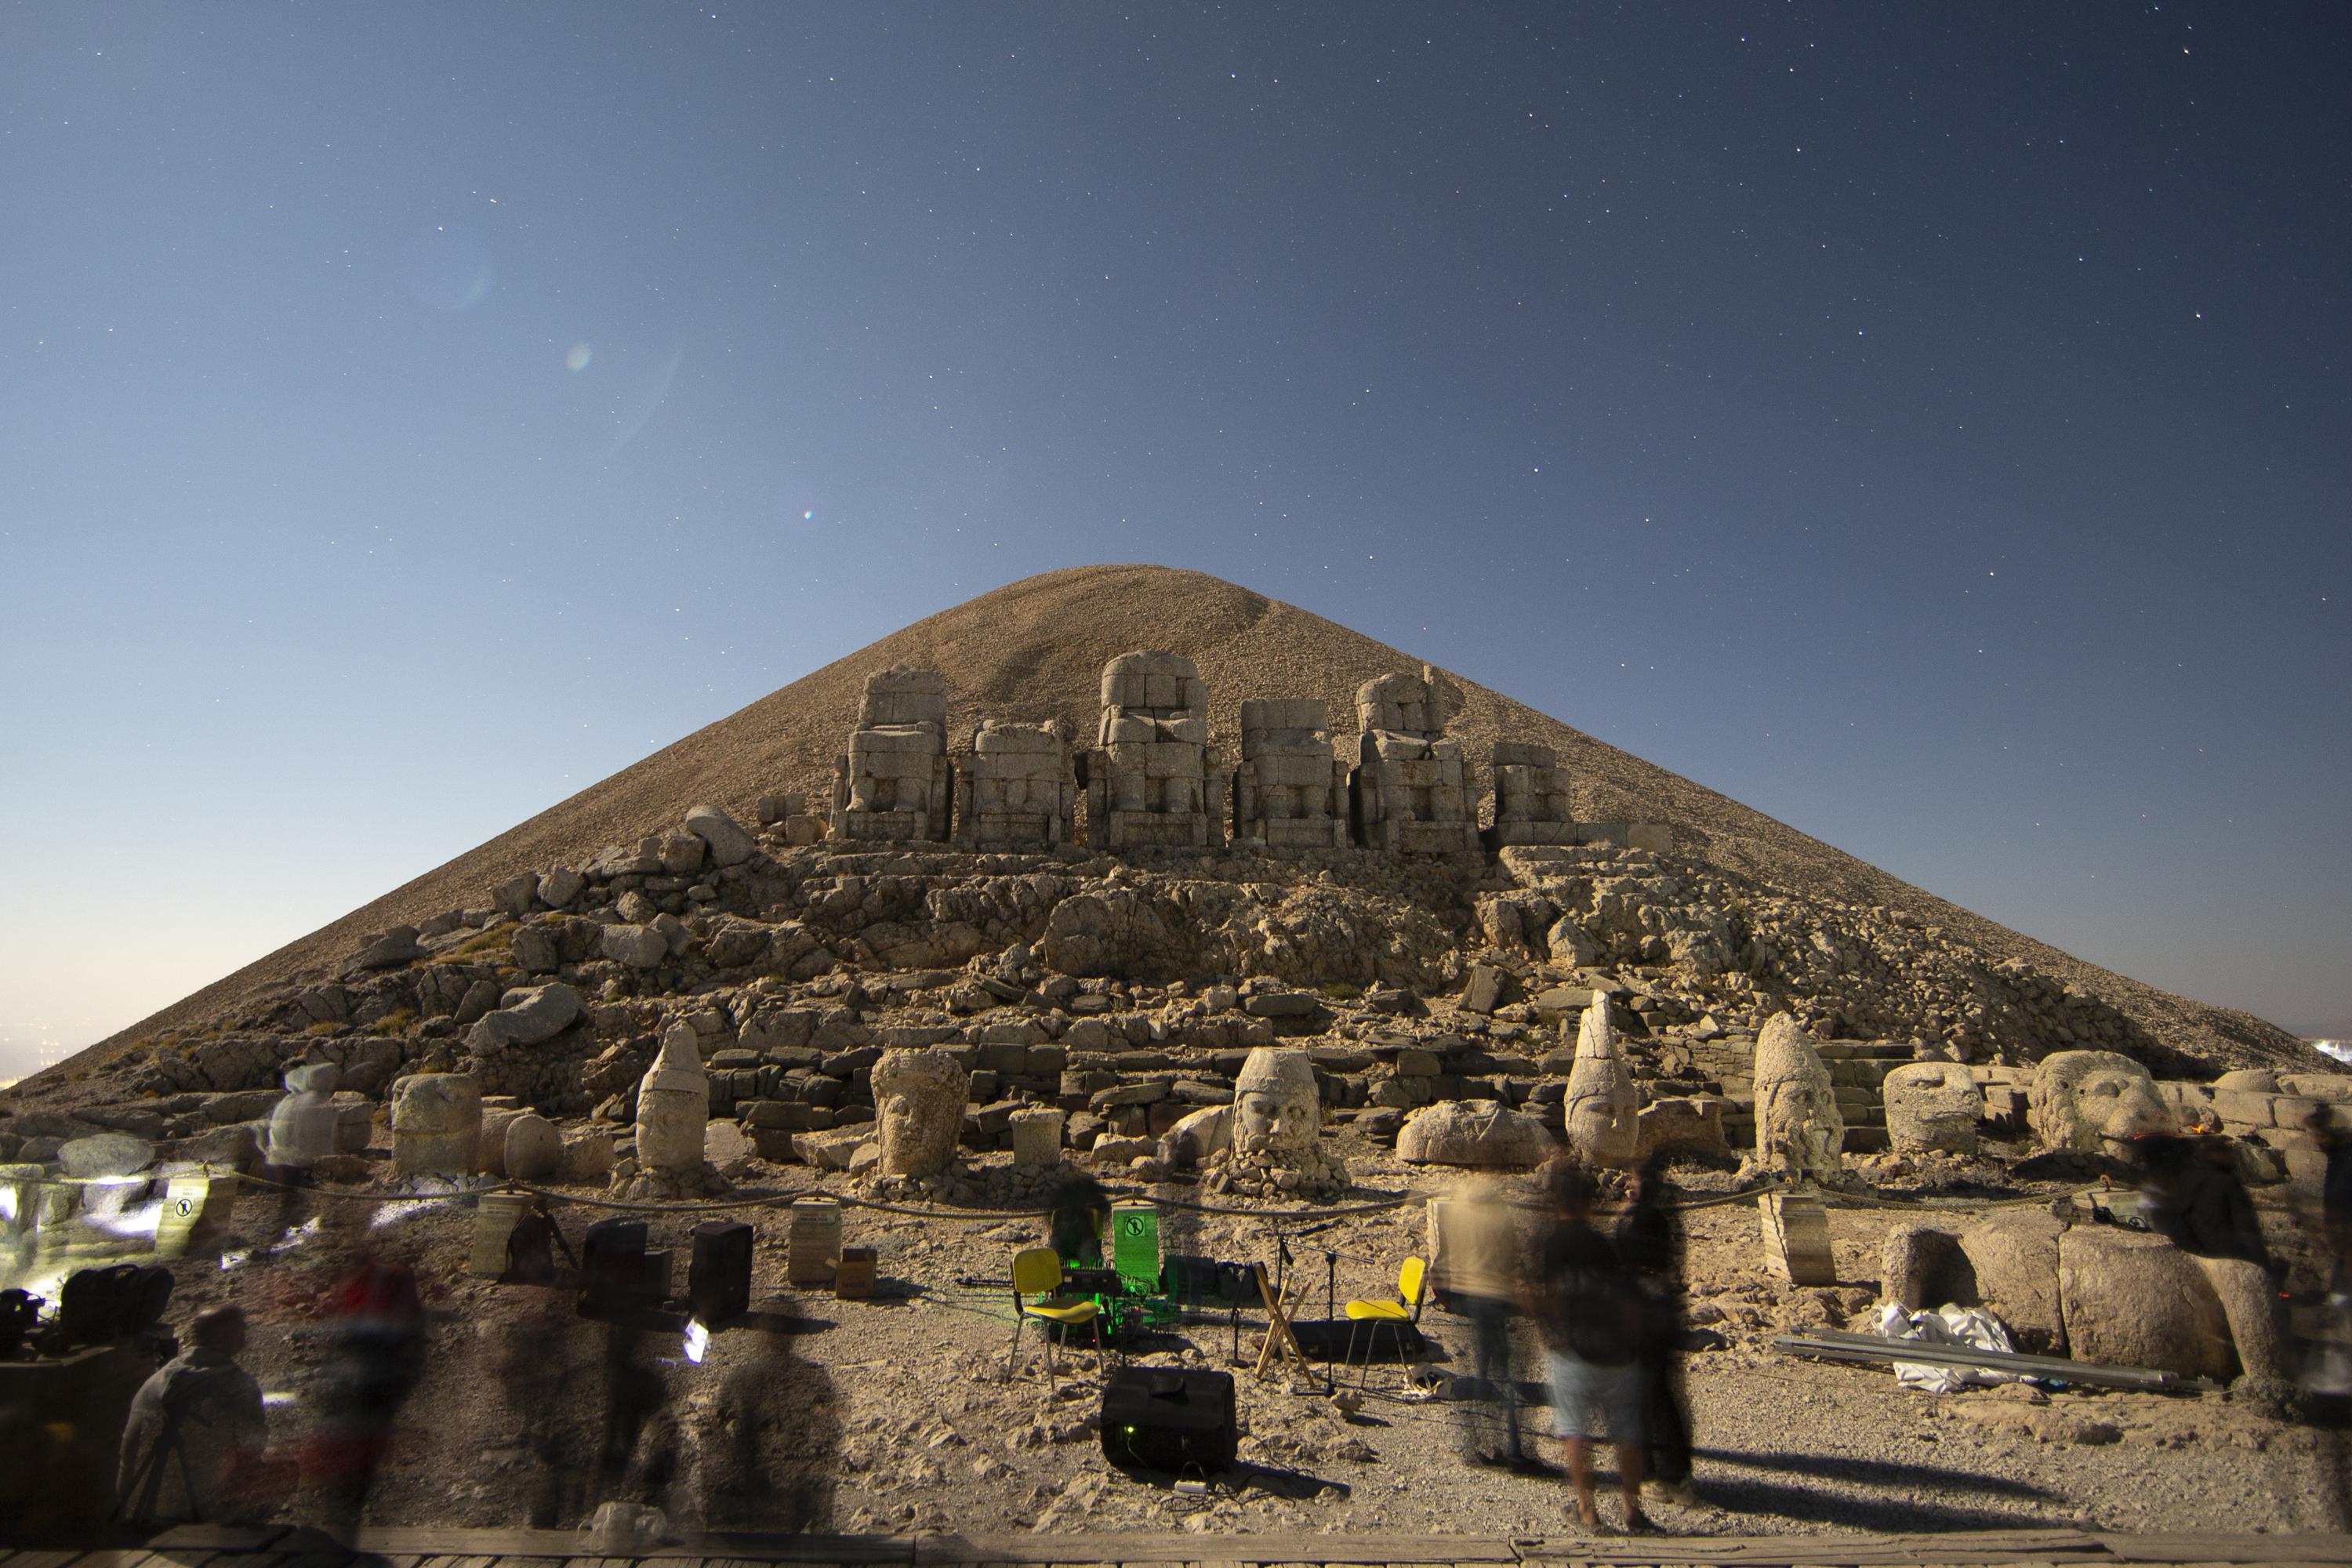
(1032, 652)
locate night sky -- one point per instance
(1928, 424)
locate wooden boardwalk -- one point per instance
(203, 1546)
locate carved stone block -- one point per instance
(894, 784)
(1151, 779)
(1289, 790)
(1015, 789)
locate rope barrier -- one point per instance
(759, 1197)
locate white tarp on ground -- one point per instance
(1969, 1326)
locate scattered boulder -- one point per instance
(537, 950)
(534, 1148)
(2132, 1298)
(106, 1154)
(387, 949)
(525, 1016)
(731, 843)
(1682, 1124)
(639, 947)
(1476, 1132)
(585, 1157)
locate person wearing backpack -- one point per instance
(1584, 1302)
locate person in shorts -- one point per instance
(1583, 1299)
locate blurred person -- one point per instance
(1481, 1250)
(2328, 1370)
(301, 1133)
(531, 1247)
(375, 1333)
(1079, 1209)
(1649, 1239)
(2335, 1192)
(534, 1367)
(638, 1456)
(193, 1449)
(2191, 1193)
(1582, 1298)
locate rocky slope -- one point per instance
(1754, 910)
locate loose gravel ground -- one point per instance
(889, 1415)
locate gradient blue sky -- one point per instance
(1925, 424)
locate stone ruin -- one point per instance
(1272, 1143)
(1799, 1130)
(1015, 789)
(436, 1125)
(673, 1121)
(1409, 790)
(1600, 1105)
(1290, 791)
(1152, 779)
(2098, 1293)
(919, 1098)
(1932, 1108)
(1531, 803)
(2094, 1102)
(893, 784)
(1479, 1133)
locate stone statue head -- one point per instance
(2094, 1102)
(1799, 1130)
(1932, 1107)
(1602, 1110)
(918, 1096)
(1275, 1103)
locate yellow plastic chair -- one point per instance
(1404, 1311)
(1037, 1271)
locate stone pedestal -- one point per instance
(1037, 1137)
(1797, 1239)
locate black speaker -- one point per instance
(618, 1278)
(1193, 1281)
(718, 1280)
(1170, 1419)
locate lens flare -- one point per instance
(579, 358)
